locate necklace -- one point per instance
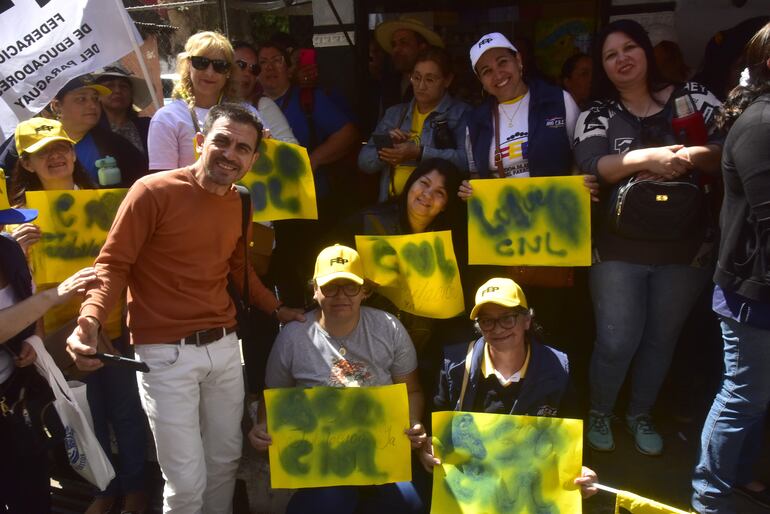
(515, 112)
(340, 345)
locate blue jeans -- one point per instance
(113, 397)
(729, 442)
(399, 497)
(639, 311)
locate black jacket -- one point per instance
(744, 249)
(14, 266)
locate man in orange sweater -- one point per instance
(176, 238)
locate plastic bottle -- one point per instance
(108, 171)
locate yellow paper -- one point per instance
(417, 272)
(281, 183)
(328, 436)
(542, 221)
(640, 505)
(4, 204)
(75, 225)
(497, 463)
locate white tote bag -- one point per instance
(83, 449)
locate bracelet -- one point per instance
(274, 314)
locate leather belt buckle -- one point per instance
(204, 337)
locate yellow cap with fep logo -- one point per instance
(33, 134)
(336, 262)
(502, 291)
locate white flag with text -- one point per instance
(46, 43)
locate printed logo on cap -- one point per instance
(490, 289)
(485, 41)
(338, 260)
(47, 128)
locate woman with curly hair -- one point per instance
(732, 433)
(205, 80)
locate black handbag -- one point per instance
(655, 210)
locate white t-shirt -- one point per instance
(514, 135)
(170, 142)
(274, 119)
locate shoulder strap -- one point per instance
(243, 192)
(498, 152)
(466, 374)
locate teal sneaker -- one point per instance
(648, 440)
(600, 432)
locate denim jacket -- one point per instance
(449, 109)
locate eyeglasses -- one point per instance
(350, 289)
(505, 322)
(430, 80)
(278, 60)
(202, 63)
(253, 68)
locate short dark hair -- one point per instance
(571, 63)
(437, 55)
(236, 113)
(237, 45)
(270, 44)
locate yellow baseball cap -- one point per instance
(33, 134)
(502, 291)
(338, 262)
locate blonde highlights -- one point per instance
(199, 44)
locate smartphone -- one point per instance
(122, 362)
(382, 141)
(306, 56)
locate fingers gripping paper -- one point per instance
(417, 272)
(500, 463)
(328, 436)
(281, 183)
(530, 221)
(74, 226)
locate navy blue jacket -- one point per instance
(546, 390)
(550, 153)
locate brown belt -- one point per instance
(204, 337)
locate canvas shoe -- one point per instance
(600, 432)
(648, 440)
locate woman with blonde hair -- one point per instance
(205, 80)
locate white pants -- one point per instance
(193, 397)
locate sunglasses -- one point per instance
(253, 68)
(202, 63)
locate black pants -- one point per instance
(24, 473)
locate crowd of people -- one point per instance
(167, 285)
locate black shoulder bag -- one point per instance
(658, 210)
(256, 329)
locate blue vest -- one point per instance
(549, 148)
(16, 271)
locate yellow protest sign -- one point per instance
(328, 436)
(74, 227)
(4, 203)
(281, 183)
(544, 221)
(497, 463)
(639, 505)
(417, 272)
